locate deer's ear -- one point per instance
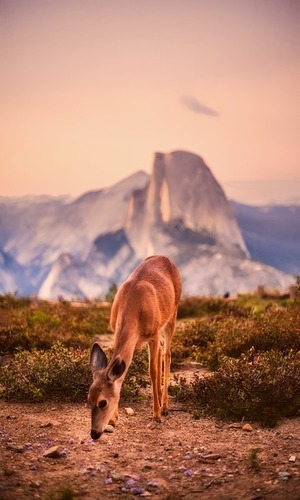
(116, 369)
(98, 359)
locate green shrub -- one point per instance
(264, 390)
(61, 373)
(275, 329)
(28, 326)
(41, 375)
(210, 340)
(192, 339)
(197, 307)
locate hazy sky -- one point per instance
(90, 89)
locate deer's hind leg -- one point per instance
(168, 333)
(155, 373)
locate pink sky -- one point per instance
(90, 89)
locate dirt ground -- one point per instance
(179, 458)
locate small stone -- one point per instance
(129, 411)
(247, 428)
(211, 456)
(284, 476)
(36, 484)
(53, 452)
(292, 458)
(44, 426)
(109, 428)
(117, 476)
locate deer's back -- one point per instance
(149, 297)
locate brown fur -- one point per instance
(144, 311)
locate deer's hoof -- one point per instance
(165, 412)
(157, 419)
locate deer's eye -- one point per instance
(102, 404)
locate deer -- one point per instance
(144, 311)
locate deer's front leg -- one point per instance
(154, 375)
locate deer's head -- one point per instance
(104, 392)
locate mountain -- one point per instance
(78, 248)
(272, 234)
(35, 231)
(182, 212)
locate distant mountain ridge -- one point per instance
(272, 234)
(78, 248)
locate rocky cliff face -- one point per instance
(182, 204)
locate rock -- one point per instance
(117, 476)
(109, 428)
(247, 428)
(53, 452)
(129, 411)
(284, 476)
(292, 458)
(209, 458)
(44, 426)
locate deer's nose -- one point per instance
(95, 434)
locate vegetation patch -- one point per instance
(61, 373)
(253, 345)
(263, 390)
(26, 324)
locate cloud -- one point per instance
(196, 106)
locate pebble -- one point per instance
(117, 476)
(247, 428)
(109, 428)
(129, 411)
(284, 476)
(53, 452)
(292, 458)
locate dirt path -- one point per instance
(179, 458)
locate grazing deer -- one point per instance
(144, 307)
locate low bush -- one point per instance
(275, 329)
(58, 373)
(264, 390)
(210, 340)
(197, 307)
(192, 339)
(61, 373)
(25, 325)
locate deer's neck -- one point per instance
(125, 344)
